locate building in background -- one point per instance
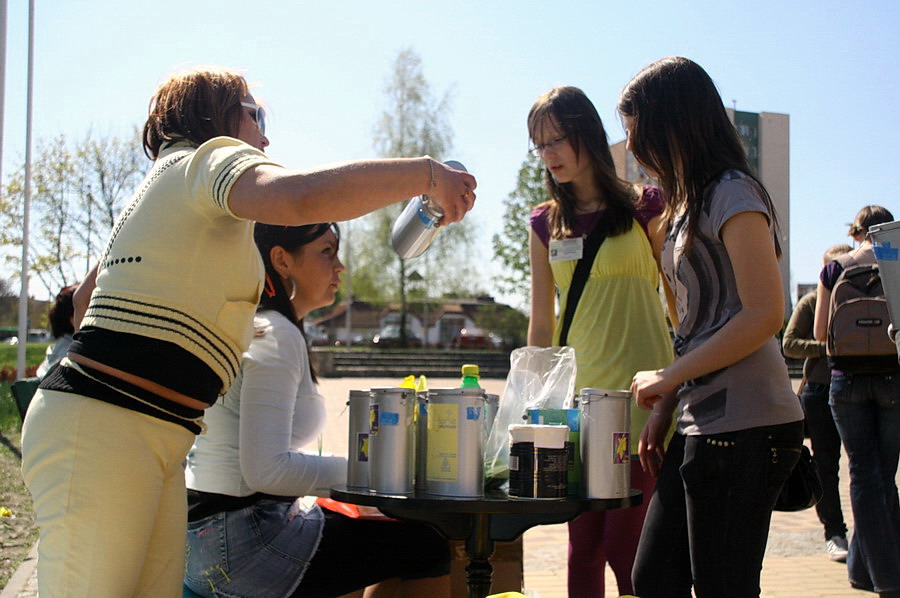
(766, 137)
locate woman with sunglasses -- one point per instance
(168, 314)
(619, 325)
(740, 425)
(247, 536)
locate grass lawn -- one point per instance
(17, 530)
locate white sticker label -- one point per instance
(566, 249)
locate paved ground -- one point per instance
(795, 565)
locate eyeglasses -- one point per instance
(552, 145)
(258, 115)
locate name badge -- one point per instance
(566, 249)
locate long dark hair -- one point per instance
(681, 131)
(62, 311)
(291, 238)
(580, 122)
(196, 105)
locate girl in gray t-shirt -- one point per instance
(739, 422)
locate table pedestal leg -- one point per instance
(479, 547)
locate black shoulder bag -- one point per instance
(579, 277)
(803, 488)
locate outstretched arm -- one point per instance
(276, 195)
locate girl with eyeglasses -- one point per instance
(619, 325)
(247, 535)
(167, 314)
(739, 425)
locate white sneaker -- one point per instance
(837, 548)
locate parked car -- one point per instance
(389, 336)
(475, 338)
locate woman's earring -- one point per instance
(293, 289)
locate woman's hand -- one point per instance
(651, 445)
(652, 442)
(648, 387)
(453, 192)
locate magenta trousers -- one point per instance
(600, 537)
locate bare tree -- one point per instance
(110, 168)
(78, 190)
(413, 123)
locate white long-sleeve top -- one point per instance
(256, 430)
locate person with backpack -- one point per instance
(852, 318)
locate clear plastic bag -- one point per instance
(539, 377)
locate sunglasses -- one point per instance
(258, 115)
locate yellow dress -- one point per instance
(619, 326)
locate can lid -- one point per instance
(391, 390)
(456, 392)
(595, 393)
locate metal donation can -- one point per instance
(455, 445)
(358, 441)
(537, 461)
(605, 443)
(392, 440)
(418, 223)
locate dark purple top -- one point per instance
(651, 205)
(829, 274)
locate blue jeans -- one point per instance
(826, 449)
(708, 521)
(866, 410)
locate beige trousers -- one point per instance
(108, 488)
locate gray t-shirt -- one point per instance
(755, 391)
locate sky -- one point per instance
(321, 67)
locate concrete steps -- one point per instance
(398, 363)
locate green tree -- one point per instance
(511, 244)
(413, 123)
(511, 324)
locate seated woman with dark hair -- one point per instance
(61, 315)
(248, 535)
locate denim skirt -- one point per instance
(260, 551)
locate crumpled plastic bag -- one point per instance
(539, 378)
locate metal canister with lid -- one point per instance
(455, 446)
(392, 440)
(605, 442)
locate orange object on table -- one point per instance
(353, 511)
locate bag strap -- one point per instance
(580, 276)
